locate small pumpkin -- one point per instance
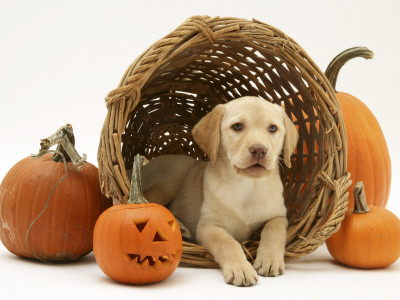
(368, 158)
(138, 242)
(43, 217)
(369, 237)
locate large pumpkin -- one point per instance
(368, 155)
(44, 220)
(137, 242)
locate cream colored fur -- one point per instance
(222, 202)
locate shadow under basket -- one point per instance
(207, 61)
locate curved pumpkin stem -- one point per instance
(332, 71)
(136, 194)
(360, 200)
(65, 139)
(69, 138)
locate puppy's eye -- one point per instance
(272, 128)
(237, 126)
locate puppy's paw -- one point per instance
(269, 265)
(240, 274)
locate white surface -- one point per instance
(59, 59)
(315, 276)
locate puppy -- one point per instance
(223, 201)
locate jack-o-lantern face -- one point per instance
(152, 242)
(137, 243)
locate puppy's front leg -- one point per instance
(271, 250)
(228, 253)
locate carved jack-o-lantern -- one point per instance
(137, 242)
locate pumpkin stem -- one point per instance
(360, 200)
(136, 194)
(65, 140)
(332, 71)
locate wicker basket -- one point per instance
(207, 61)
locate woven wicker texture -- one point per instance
(207, 61)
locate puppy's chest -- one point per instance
(257, 205)
(249, 206)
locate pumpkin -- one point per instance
(43, 217)
(368, 157)
(369, 237)
(138, 242)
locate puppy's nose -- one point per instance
(258, 151)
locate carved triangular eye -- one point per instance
(160, 237)
(140, 223)
(172, 224)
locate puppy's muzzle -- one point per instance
(258, 151)
(256, 163)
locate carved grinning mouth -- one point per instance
(152, 262)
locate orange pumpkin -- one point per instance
(137, 242)
(369, 237)
(55, 228)
(368, 157)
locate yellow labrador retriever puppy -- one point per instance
(224, 201)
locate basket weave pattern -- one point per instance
(207, 61)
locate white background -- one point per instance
(59, 59)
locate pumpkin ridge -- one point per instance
(25, 182)
(55, 200)
(84, 226)
(22, 231)
(353, 227)
(11, 237)
(16, 178)
(6, 182)
(349, 109)
(394, 248)
(382, 191)
(380, 141)
(86, 184)
(40, 196)
(370, 157)
(358, 159)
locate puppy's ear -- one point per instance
(206, 133)
(291, 138)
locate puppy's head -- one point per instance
(249, 133)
